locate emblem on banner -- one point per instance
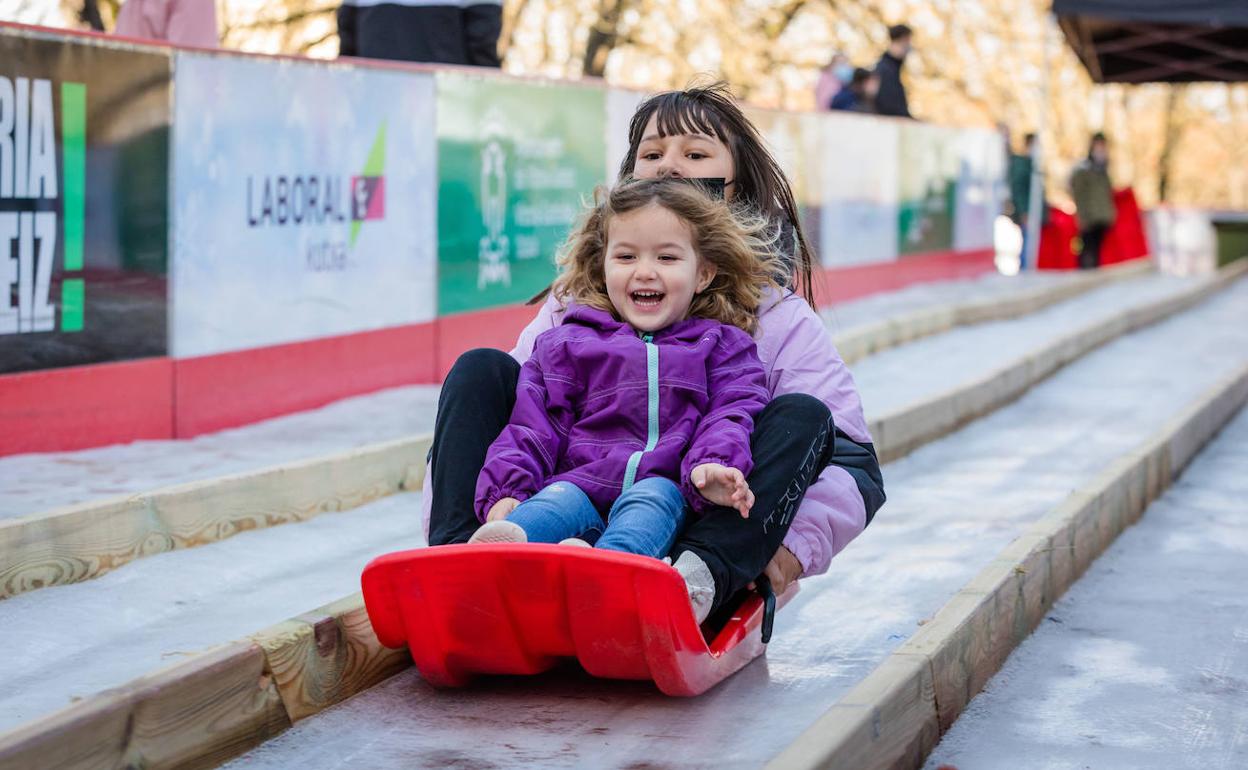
(494, 248)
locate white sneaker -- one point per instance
(576, 541)
(698, 581)
(501, 531)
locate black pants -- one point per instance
(791, 445)
(1090, 254)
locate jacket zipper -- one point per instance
(652, 410)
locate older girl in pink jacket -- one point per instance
(816, 479)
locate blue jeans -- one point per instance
(643, 520)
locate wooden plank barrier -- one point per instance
(81, 542)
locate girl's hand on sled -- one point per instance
(723, 486)
(502, 508)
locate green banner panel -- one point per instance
(928, 180)
(516, 161)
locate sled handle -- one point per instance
(763, 586)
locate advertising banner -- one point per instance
(794, 140)
(981, 172)
(927, 185)
(620, 108)
(516, 160)
(84, 148)
(304, 201)
(859, 161)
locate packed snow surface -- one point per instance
(846, 316)
(953, 505)
(1144, 661)
(944, 361)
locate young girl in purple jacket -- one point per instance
(640, 404)
(816, 478)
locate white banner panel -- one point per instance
(304, 201)
(981, 176)
(859, 189)
(621, 105)
(1183, 240)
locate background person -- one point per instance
(1094, 201)
(891, 99)
(833, 79)
(437, 31)
(1018, 175)
(860, 96)
(184, 22)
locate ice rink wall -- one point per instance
(201, 239)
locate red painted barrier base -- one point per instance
(85, 406)
(231, 389)
(847, 283)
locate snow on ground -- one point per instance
(845, 316)
(1144, 662)
(943, 361)
(953, 506)
(72, 641)
(39, 482)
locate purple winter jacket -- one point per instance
(591, 409)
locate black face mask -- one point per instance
(713, 186)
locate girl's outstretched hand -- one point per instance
(723, 486)
(500, 509)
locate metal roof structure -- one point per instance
(1158, 41)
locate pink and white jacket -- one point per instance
(798, 356)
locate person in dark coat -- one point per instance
(892, 97)
(859, 95)
(1094, 201)
(435, 31)
(1018, 173)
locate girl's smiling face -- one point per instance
(686, 156)
(652, 269)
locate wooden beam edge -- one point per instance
(196, 713)
(81, 542)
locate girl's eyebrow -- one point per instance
(671, 245)
(656, 137)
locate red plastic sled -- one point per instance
(517, 609)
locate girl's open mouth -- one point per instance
(647, 300)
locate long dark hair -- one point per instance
(758, 181)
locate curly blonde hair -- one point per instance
(740, 245)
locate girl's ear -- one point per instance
(706, 274)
